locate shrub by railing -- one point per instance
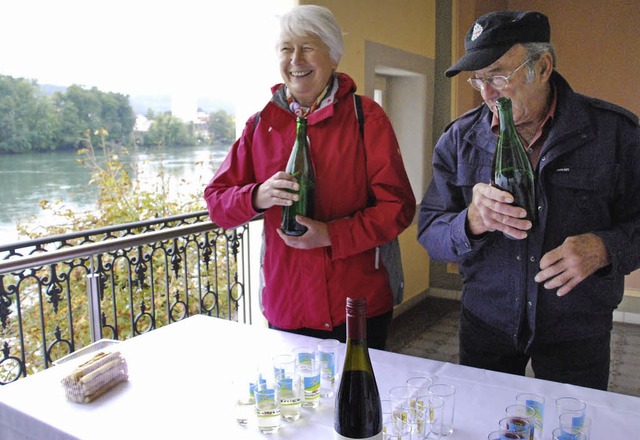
(59, 294)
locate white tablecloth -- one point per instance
(180, 379)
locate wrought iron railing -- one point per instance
(61, 293)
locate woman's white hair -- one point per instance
(317, 20)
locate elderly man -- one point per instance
(548, 296)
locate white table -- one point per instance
(180, 376)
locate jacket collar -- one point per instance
(277, 114)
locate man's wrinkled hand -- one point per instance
(574, 260)
(491, 210)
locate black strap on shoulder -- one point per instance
(357, 99)
(256, 118)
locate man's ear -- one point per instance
(545, 66)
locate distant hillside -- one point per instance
(158, 103)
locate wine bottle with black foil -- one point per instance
(358, 413)
(511, 170)
(300, 167)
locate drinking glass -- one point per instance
(417, 386)
(448, 394)
(287, 377)
(536, 401)
(244, 402)
(523, 425)
(572, 422)
(308, 368)
(400, 394)
(267, 398)
(570, 404)
(526, 412)
(432, 408)
(328, 353)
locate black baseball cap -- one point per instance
(493, 34)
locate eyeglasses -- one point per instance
(498, 82)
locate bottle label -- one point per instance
(337, 436)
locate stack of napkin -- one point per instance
(95, 377)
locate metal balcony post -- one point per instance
(93, 302)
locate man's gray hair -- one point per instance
(317, 20)
(534, 52)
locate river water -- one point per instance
(28, 179)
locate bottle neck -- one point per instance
(301, 130)
(505, 116)
(356, 320)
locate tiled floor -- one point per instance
(430, 330)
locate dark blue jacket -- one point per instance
(588, 180)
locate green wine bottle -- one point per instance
(300, 167)
(511, 170)
(357, 411)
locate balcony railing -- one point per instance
(61, 293)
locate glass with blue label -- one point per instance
(287, 377)
(328, 354)
(523, 425)
(571, 423)
(308, 368)
(524, 411)
(536, 401)
(267, 404)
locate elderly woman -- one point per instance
(362, 196)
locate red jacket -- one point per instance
(308, 288)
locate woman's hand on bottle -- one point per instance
(491, 209)
(317, 235)
(276, 191)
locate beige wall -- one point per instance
(596, 41)
(404, 24)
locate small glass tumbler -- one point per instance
(536, 401)
(287, 377)
(328, 354)
(572, 422)
(448, 394)
(418, 386)
(524, 411)
(308, 368)
(523, 425)
(244, 402)
(572, 405)
(432, 409)
(267, 398)
(400, 394)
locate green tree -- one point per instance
(222, 127)
(27, 119)
(168, 130)
(81, 109)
